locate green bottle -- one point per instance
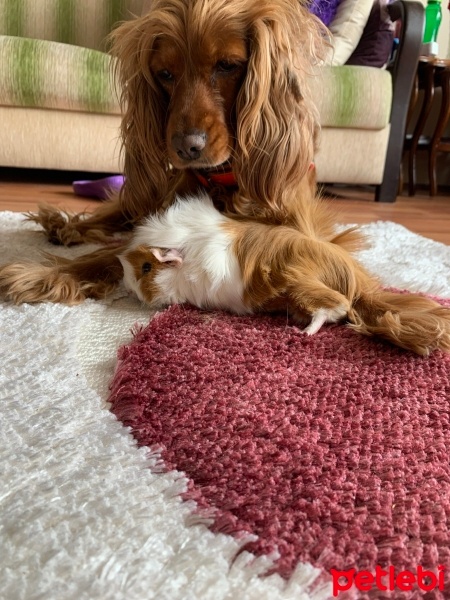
(433, 18)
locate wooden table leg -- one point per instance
(444, 117)
(412, 106)
(428, 80)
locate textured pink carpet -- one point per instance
(334, 449)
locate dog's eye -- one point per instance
(165, 76)
(146, 268)
(223, 66)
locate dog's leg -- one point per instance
(65, 229)
(93, 275)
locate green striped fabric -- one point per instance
(350, 96)
(83, 23)
(37, 73)
(75, 75)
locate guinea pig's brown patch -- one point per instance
(145, 267)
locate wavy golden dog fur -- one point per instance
(206, 85)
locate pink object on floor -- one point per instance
(333, 449)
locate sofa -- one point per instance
(59, 109)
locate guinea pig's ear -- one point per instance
(171, 255)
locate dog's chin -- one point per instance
(206, 163)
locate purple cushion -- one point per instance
(375, 45)
(325, 10)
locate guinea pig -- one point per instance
(193, 253)
(185, 255)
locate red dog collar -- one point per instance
(222, 175)
(208, 178)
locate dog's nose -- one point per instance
(189, 146)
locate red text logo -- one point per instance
(387, 580)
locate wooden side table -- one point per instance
(438, 142)
(432, 73)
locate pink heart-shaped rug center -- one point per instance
(333, 449)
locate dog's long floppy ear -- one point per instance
(277, 124)
(144, 115)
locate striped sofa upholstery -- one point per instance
(59, 104)
(56, 92)
(84, 23)
(42, 74)
(355, 108)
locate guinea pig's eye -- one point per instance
(146, 268)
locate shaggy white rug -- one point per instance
(84, 514)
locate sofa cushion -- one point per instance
(347, 27)
(83, 23)
(38, 73)
(41, 74)
(353, 97)
(376, 43)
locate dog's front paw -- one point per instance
(59, 226)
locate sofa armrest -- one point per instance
(403, 68)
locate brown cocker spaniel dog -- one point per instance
(214, 94)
